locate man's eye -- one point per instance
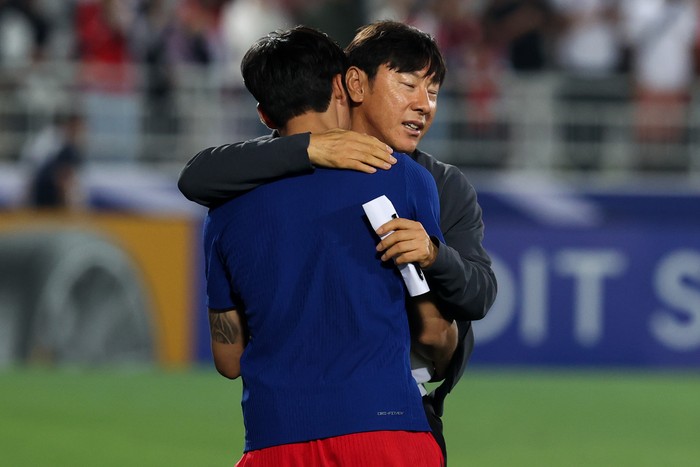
(409, 85)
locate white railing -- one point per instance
(546, 123)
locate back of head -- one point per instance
(401, 47)
(290, 72)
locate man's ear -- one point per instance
(264, 119)
(339, 90)
(357, 84)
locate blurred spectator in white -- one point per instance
(662, 37)
(108, 79)
(24, 35)
(588, 41)
(589, 54)
(244, 22)
(53, 160)
(397, 10)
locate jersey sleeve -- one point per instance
(218, 285)
(218, 174)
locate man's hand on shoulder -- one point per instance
(346, 149)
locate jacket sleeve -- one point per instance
(461, 276)
(218, 174)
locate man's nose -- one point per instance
(421, 102)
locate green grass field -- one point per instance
(494, 418)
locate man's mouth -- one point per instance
(416, 127)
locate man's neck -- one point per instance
(313, 122)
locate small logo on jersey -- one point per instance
(390, 412)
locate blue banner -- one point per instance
(594, 280)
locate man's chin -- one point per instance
(406, 148)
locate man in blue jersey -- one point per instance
(300, 306)
(394, 102)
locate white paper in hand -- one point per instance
(379, 211)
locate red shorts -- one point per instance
(375, 448)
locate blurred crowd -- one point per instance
(583, 37)
(652, 42)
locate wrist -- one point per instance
(311, 152)
(432, 254)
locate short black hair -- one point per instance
(399, 46)
(290, 72)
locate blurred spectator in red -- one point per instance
(108, 79)
(662, 36)
(102, 45)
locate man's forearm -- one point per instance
(439, 352)
(227, 341)
(218, 174)
(465, 288)
(434, 337)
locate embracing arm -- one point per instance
(218, 174)
(227, 341)
(433, 337)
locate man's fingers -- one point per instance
(375, 143)
(407, 243)
(360, 167)
(399, 223)
(383, 160)
(376, 154)
(345, 149)
(399, 242)
(400, 254)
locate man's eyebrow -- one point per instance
(418, 75)
(415, 74)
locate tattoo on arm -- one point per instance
(223, 327)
